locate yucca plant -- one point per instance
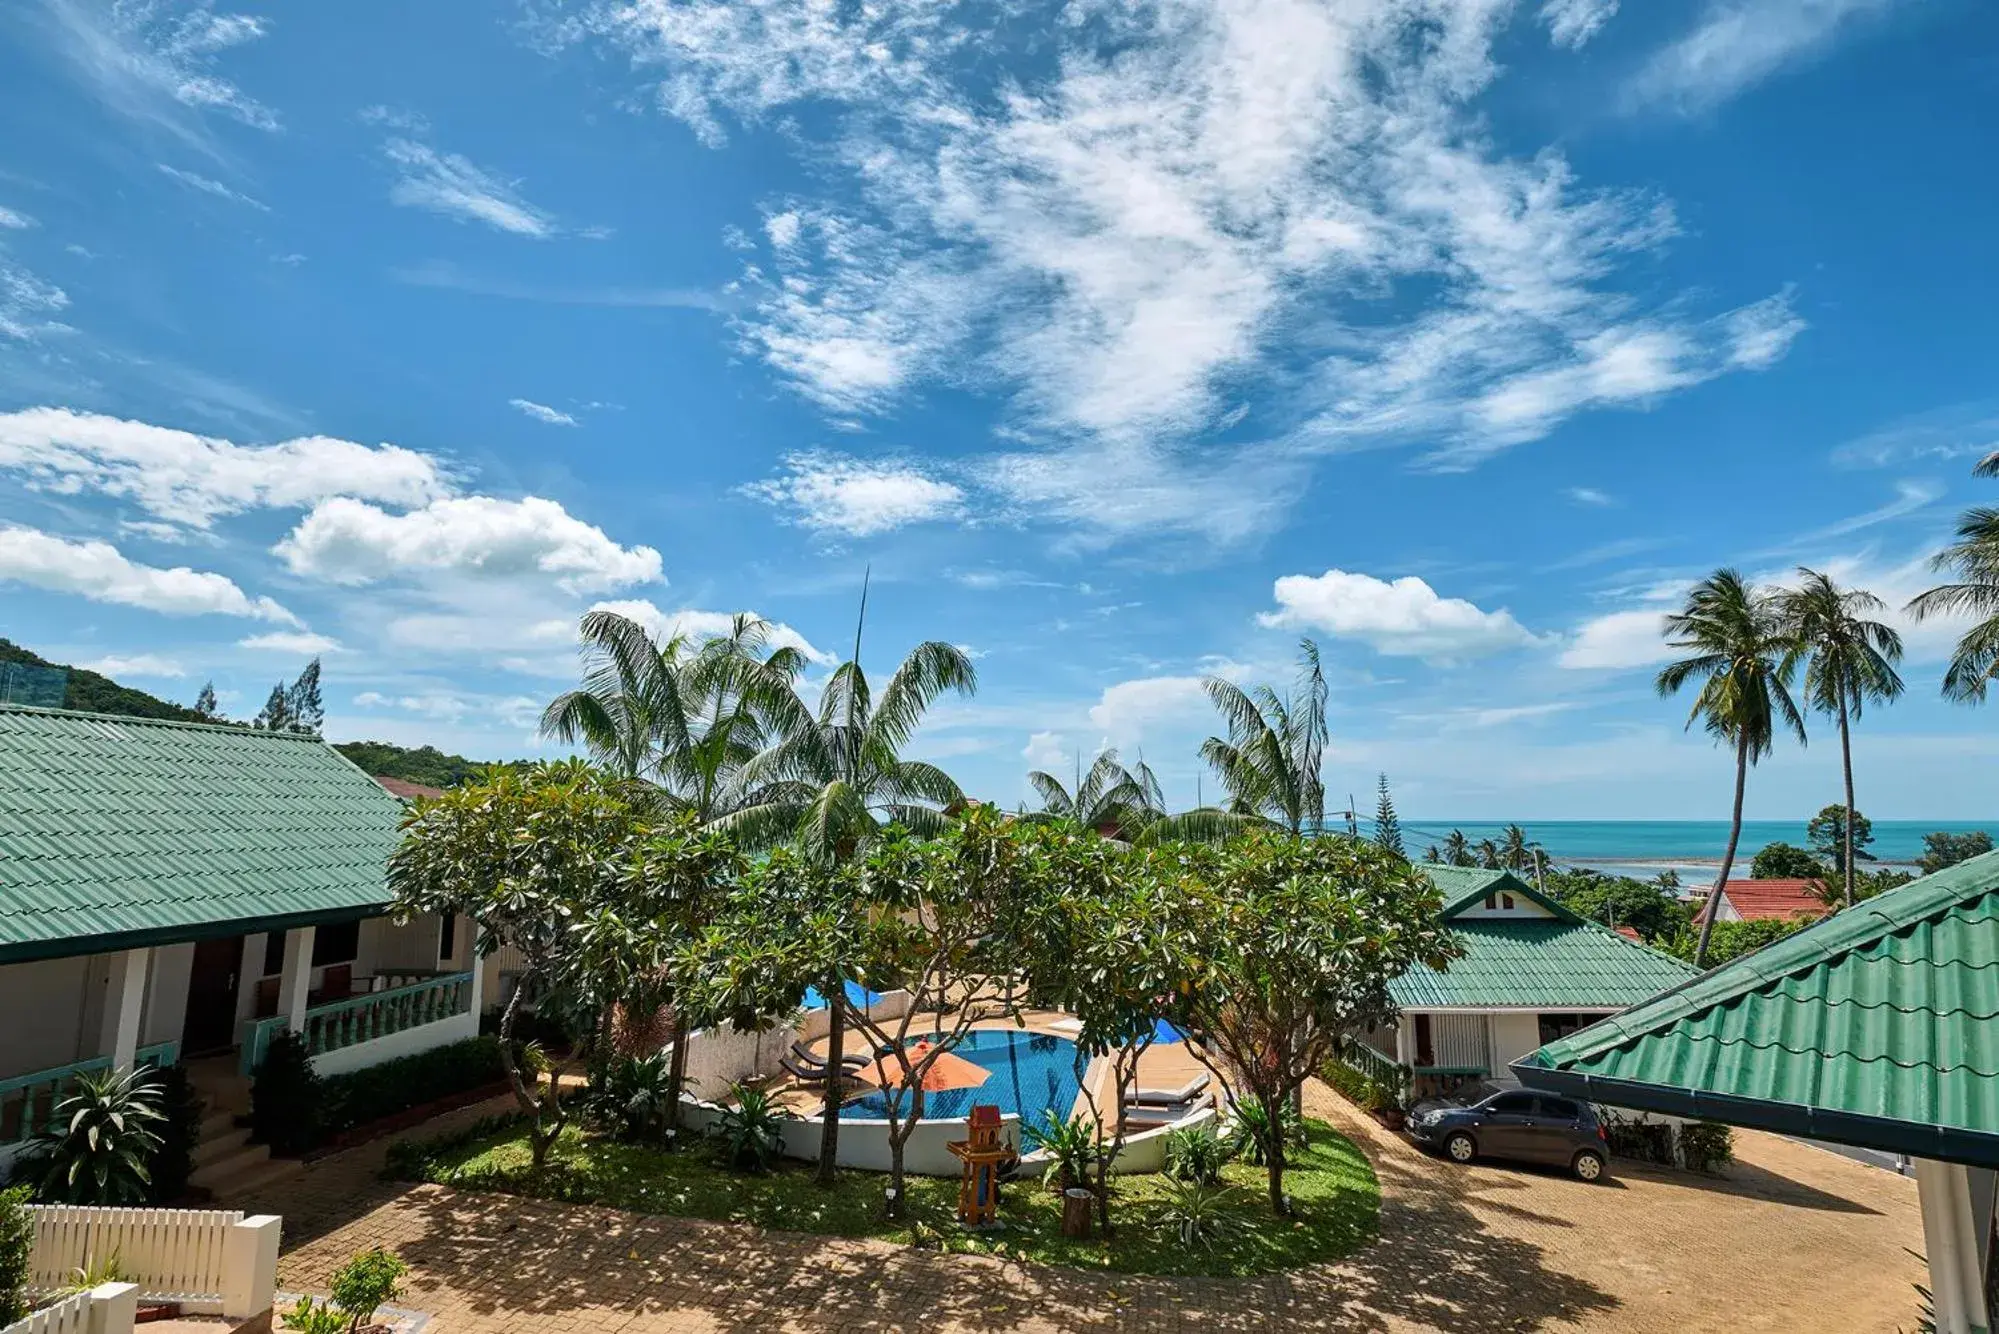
(1246, 1141)
(1071, 1147)
(751, 1133)
(101, 1149)
(632, 1096)
(1195, 1155)
(1198, 1214)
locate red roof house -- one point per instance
(1771, 900)
(408, 791)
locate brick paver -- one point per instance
(1793, 1239)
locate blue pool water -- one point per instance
(857, 994)
(1031, 1072)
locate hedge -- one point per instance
(380, 1091)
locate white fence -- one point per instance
(110, 1308)
(210, 1261)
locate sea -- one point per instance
(1693, 848)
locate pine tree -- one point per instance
(275, 716)
(204, 703)
(304, 711)
(1387, 828)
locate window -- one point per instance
(1508, 900)
(447, 938)
(1512, 1104)
(1491, 902)
(1555, 1027)
(1560, 1109)
(336, 942)
(274, 953)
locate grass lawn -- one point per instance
(1330, 1182)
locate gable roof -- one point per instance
(1775, 899)
(117, 832)
(1545, 963)
(1872, 1027)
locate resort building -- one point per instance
(1780, 900)
(174, 891)
(1532, 972)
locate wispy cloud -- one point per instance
(157, 63)
(299, 642)
(115, 665)
(442, 274)
(1571, 23)
(836, 493)
(454, 186)
(1589, 495)
(14, 220)
(27, 303)
(1910, 496)
(207, 186)
(1964, 431)
(541, 412)
(1739, 43)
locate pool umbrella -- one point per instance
(1164, 1031)
(947, 1071)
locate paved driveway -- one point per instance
(1794, 1239)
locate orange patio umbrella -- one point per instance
(947, 1071)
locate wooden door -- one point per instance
(211, 996)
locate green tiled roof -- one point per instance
(1565, 963)
(1466, 886)
(117, 832)
(1873, 1027)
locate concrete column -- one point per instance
(1405, 1040)
(124, 1006)
(1951, 1245)
(469, 933)
(250, 1267)
(295, 982)
(114, 1308)
(254, 946)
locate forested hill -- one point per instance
(86, 690)
(424, 764)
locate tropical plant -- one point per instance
(1197, 1213)
(95, 1272)
(1974, 559)
(1785, 861)
(1071, 1147)
(749, 1133)
(179, 1132)
(287, 1097)
(310, 1317)
(1270, 762)
(1517, 852)
(1706, 1146)
(1644, 905)
(1387, 825)
(1740, 652)
(101, 1148)
(1457, 850)
(1488, 855)
(1109, 799)
(1253, 1129)
(1944, 849)
(1841, 840)
(1195, 1154)
(17, 1240)
(365, 1282)
(631, 1095)
(1849, 662)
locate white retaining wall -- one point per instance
(864, 1141)
(211, 1261)
(438, 1033)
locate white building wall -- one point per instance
(387, 947)
(1513, 1036)
(166, 994)
(47, 1004)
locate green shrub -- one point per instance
(1197, 1214)
(287, 1098)
(365, 1282)
(1641, 1141)
(629, 1096)
(1346, 1081)
(17, 1238)
(179, 1133)
(384, 1090)
(749, 1134)
(1251, 1118)
(1071, 1147)
(308, 1317)
(103, 1144)
(1706, 1145)
(1193, 1154)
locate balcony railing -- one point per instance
(365, 1018)
(28, 1102)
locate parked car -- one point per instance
(1485, 1120)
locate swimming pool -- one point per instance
(1031, 1072)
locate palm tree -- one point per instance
(1742, 658)
(629, 710)
(1517, 852)
(1457, 849)
(1848, 659)
(1269, 765)
(830, 781)
(1974, 558)
(1108, 799)
(1488, 855)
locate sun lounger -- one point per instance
(1157, 1097)
(806, 1057)
(1165, 1113)
(803, 1074)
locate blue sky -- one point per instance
(1126, 343)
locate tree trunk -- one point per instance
(676, 1077)
(829, 1113)
(1846, 767)
(1273, 1158)
(1728, 857)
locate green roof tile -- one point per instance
(117, 832)
(1873, 1026)
(1542, 964)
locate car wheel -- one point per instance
(1588, 1165)
(1461, 1148)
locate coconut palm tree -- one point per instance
(1110, 798)
(1849, 660)
(1740, 654)
(1517, 852)
(1974, 559)
(1269, 765)
(630, 709)
(1457, 849)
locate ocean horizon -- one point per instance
(1650, 846)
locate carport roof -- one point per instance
(1873, 1027)
(117, 832)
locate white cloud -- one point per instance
(541, 412)
(352, 542)
(451, 707)
(457, 188)
(1738, 43)
(1618, 640)
(26, 301)
(99, 572)
(208, 186)
(1589, 495)
(157, 66)
(1910, 497)
(1403, 617)
(115, 665)
(15, 221)
(192, 479)
(1127, 711)
(1573, 22)
(1964, 431)
(705, 625)
(302, 643)
(1761, 333)
(835, 493)
(1044, 751)
(1170, 208)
